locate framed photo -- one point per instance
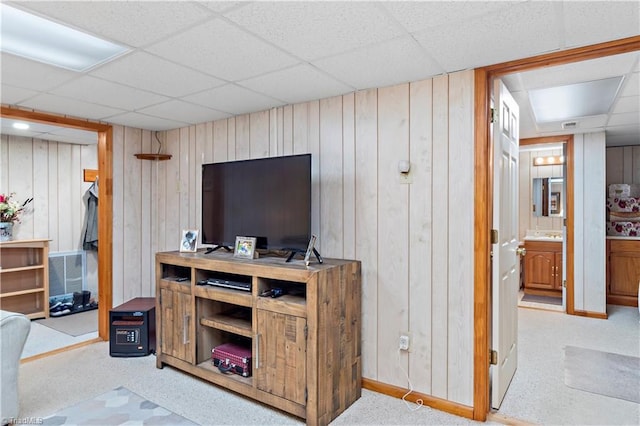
(245, 247)
(189, 241)
(307, 255)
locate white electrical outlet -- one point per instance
(404, 342)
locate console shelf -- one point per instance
(322, 375)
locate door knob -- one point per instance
(521, 251)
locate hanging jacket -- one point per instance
(91, 228)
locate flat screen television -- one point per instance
(266, 198)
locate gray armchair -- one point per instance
(14, 329)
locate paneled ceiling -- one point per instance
(192, 62)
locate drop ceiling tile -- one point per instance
(494, 38)
(624, 119)
(595, 69)
(72, 107)
(13, 95)
(385, 64)
(297, 84)
(223, 50)
(76, 135)
(145, 122)
(418, 15)
(311, 30)
(627, 104)
(27, 74)
(136, 23)
(631, 85)
(148, 72)
(589, 22)
(95, 90)
(184, 111)
(234, 100)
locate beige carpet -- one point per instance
(74, 324)
(603, 373)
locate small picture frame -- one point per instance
(307, 255)
(189, 242)
(245, 247)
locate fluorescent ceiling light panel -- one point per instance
(574, 100)
(38, 39)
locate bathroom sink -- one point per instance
(544, 236)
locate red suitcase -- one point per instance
(233, 358)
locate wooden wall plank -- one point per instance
(300, 128)
(615, 165)
(287, 130)
(366, 247)
(348, 176)
(440, 242)
(313, 146)
(231, 139)
(20, 161)
(147, 256)
(243, 137)
(420, 233)
(132, 212)
(393, 228)
(461, 228)
(118, 239)
(52, 198)
(595, 231)
(259, 134)
(627, 168)
(183, 208)
(220, 151)
(64, 182)
(40, 204)
(330, 176)
(578, 220)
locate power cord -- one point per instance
(419, 402)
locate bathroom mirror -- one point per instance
(548, 197)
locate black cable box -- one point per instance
(219, 282)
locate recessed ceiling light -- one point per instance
(574, 100)
(20, 126)
(38, 39)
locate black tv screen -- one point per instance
(266, 198)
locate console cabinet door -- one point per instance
(281, 354)
(177, 321)
(540, 270)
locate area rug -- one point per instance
(74, 324)
(117, 407)
(542, 299)
(603, 373)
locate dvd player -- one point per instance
(218, 282)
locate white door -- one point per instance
(506, 262)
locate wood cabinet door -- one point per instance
(539, 270)
(281, 355)
(177, 320)
(624, 270)
(558, 271)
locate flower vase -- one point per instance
(6, 231)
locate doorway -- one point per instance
(483, 201)
(105, 194)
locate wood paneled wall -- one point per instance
(623, 164)
(589, 223)
(415, 240)
(52, 173)
(527, 173)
